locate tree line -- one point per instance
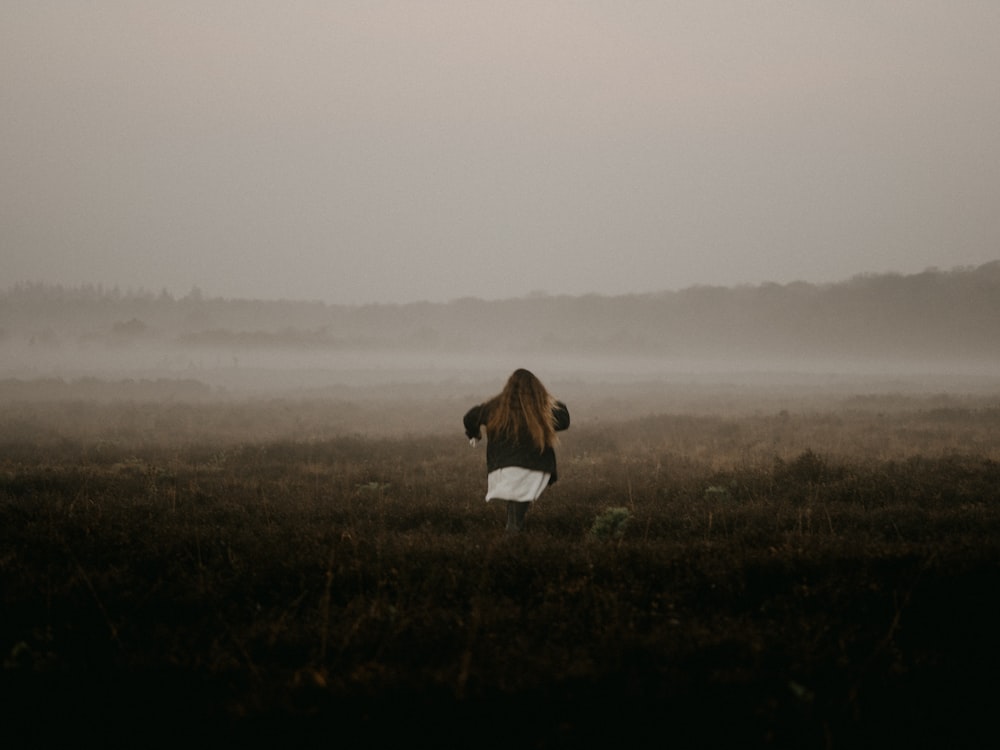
(936, 313)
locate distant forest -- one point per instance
(934, 314)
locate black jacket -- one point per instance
(501, 452)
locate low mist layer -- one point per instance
(940, 322)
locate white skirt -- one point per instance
(515, 483)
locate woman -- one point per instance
(521, 424)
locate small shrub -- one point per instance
(720, 491)
(808, 468)
(610, 524)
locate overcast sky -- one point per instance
(403, 151)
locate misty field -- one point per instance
(812, 577)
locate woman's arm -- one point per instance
(472, 420)
(561, 414)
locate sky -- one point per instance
(384, 151)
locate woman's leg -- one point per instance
(516, 512)
(522, 511)
(512, 527)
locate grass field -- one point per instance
(270, 570)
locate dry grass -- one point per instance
(819, 577)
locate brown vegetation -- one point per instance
(808, 579)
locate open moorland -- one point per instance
(747, 567)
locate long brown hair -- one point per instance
(523, 409)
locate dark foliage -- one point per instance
(296, 590)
